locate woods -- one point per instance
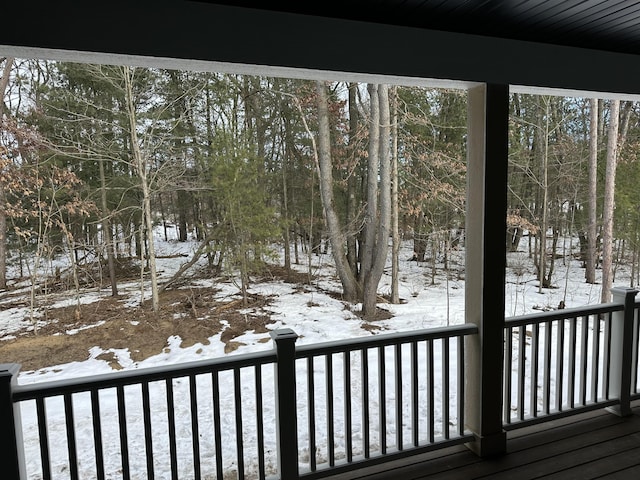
(97, 159)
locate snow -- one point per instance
(316, 317)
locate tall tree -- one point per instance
(609, 203)
(395, 212)
(4, 83)
(378, 208)
(591, 258)
(352, 290)
(377, 211)
(141, 164)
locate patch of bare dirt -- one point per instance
(381, 314)
(192, 314)
(287, 275)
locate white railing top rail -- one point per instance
(552, 315)
(386, 339)
(133, 377)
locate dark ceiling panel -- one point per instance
(612, 25)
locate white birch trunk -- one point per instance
(141, 169)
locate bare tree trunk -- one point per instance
(608, 208)
(542, 266)
(287, 228)
(373, 166)
(3, 241)
(590, 272)
(4, 83)
(378, 211)
(634, 258)
(395, 249)
(140, 165)
(352, 233)
(106, 232)
(337, 237)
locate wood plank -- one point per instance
(413, 467)
(530, 453)
(625, 474)
(558, 463)
(595, 444)
(601, 460)
(530, 458)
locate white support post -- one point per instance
(621, 351)
(487, 150)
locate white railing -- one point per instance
(564, 362)
(248, 416)
(314, 410)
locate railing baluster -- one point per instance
(237, 400)
(572, 362)
(44, 438)
(559, 364)
(548, 331)
(348, 430)
(445, 388)
(97, 434)
(508, 376)
(382, 400)
(330, 422)
(171, 427)
(431, 391)
(71, 436)
(595, 356)
(398, 394)
(584, 344)
(606, 356)
(365, 402)
(259, 422)
(122, 424)
(195, 434)
(415, 413)
(217, 424)
(460, 376)
(522, 357)
(148, 437)
(311, 413)
(634, 355)
(535, 346)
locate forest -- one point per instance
(96, 158)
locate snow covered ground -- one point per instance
(316, 317)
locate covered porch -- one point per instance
(498, 424)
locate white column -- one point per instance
(487, 150)
(621, 351)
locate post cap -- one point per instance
(283, 334)
(9, 369)
(624, 291)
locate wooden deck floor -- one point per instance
(592, 445)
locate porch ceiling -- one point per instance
(573, 47)
(612, 25)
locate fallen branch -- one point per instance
(185, 266)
